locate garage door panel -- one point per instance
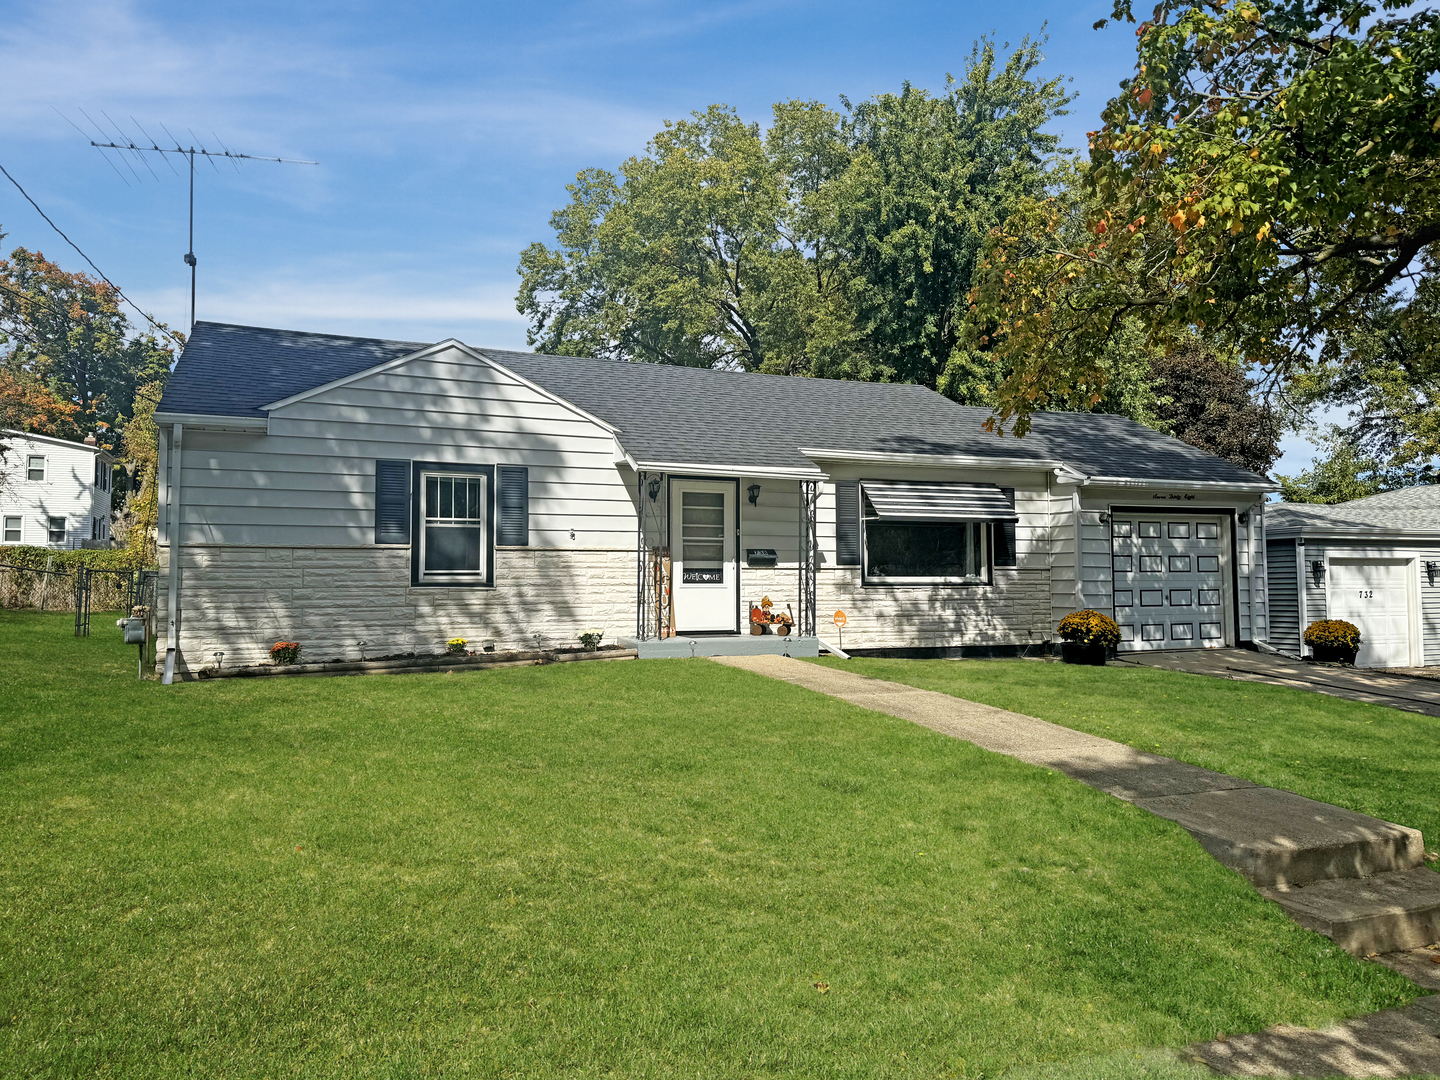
(1375, 596)
(1167, 579)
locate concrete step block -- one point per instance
(1277, 838)
(1383, 913)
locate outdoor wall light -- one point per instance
(1431, 569)
(754, 490)
(1244, 518)
(654, 488)
(1104, 518)
(1317, 570)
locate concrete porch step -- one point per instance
(1279, 839)
(1383, 913)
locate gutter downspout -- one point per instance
(1300, 590)
(173, 544)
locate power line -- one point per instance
(176, 338)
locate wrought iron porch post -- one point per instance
(809, 550)
(641, 578)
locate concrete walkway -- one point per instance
(1398, 689)
(1281, 842)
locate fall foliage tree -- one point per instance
(1270, 169)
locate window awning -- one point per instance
(904, 500)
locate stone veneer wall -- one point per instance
(1013, 611)
(242, 599)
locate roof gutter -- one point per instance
(762, 472)
(1348, 532)
(1184, 485)
(214, 423)
(887, 457)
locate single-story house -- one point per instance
(1374, 562)
(339, 490)
(53, 492)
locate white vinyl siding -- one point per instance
(311, 479)
(67, 491)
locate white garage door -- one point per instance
(1374, 594)
(1169, 586)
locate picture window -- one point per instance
(939, 551)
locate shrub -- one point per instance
(456, 646)
(590, 639)
(285, 652)
(1089, 627)
(1333, 634)
(28, 557)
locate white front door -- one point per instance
(1169, 581)
(1374, 594)
(702, 544)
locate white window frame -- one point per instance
(453, 577)
(30, 460)
(19, 520)
(50, 528)
(869, 577)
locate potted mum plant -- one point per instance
(285, 652)
(1334, 641)
(1086, 636)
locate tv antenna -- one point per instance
(138, 150)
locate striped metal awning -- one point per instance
(904, 500)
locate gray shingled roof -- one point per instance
(698, 416)
(1406, 510)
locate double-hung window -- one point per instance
(57, 530)
(14, 531)
(35, 467)
(454, 527)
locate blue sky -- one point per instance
(445, 133)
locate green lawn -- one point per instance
(1377, 760)
(629, 869)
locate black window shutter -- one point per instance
(847, 523)
(1005, 534)
(392, 502)
(514, 505)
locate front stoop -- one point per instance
(1382, 913)
(1276, 838)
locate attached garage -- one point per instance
(1374, 562)
(1172, 580)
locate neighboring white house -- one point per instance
(1374, 562)
(55, 493)
(333, 490)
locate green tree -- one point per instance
(929, 179)
(1386, 371)
(1343, 474)
(830, 245)
(1270, 168)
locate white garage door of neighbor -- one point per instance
(1374, 594)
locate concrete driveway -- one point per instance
(1414, 693)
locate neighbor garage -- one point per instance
(1374, 562)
